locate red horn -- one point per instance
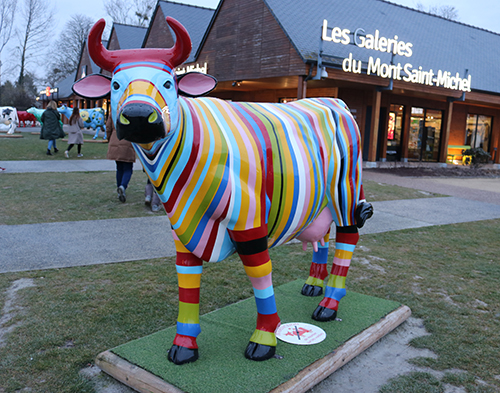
(108, 60)
(101, 56)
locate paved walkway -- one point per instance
(79, 243)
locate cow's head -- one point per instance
(144, 87)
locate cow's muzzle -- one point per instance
(139, 123)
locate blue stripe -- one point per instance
(345, 247)
(266, 306)
(264, 293)
(335, 293)
(188, 329)
(189, 269)
(321, 256)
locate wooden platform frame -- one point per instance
(145, 382)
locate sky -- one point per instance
(479, 13)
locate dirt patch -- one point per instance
(11, 309)
(435, 171)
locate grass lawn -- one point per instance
(31, 147)
(448, 276)
(77, 196)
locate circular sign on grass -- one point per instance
(300, 333)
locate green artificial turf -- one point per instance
(225, 334)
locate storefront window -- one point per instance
(425, 134)
(478, 131)
(394, 130)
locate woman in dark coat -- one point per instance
(123, 153)
(51, 126)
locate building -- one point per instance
(421, 87)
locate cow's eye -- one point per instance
(116, 85)
(167, 85)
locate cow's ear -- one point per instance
(195, 84)
(93, 86)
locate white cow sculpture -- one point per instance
(8, 116)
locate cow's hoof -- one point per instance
(363, 212)
(259, 352)
(311, 290)
(181, 355)
(324, 314)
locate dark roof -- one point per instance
(195, 19)
(438, 43)
(129, 37)
(95, 68)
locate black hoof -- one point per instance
(259, 352)
(363, 212)
(324, 314)
(181, 355)
(311, 290)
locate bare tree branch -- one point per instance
(36, 24)
(444, 11)
(137, 13)
(68, 47)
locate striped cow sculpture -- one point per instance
(236, 177)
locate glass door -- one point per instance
(425, 134)
(394, 130)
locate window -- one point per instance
(477, 132)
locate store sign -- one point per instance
(406, 72)
(48, 91)
(192, 67)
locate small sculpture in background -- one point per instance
(92, 118)
(8, 116)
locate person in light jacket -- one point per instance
(75, 132)
(122, 152)
(51, 126)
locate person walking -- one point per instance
(151, 198)
(51, 126)
(75, 132)
(123, 154)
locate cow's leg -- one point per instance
(189, 269)
(318, 271)
(251, 246)
(346, 239)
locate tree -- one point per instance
(445, 11)
(137, 13)
(36, 19)
(7, 12)
(68, 47)
(20, 97)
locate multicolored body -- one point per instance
(236, 177)
(92, 118)
(238, 166)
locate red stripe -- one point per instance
(248, 234)
(256, 259)
(268, 323)
(187, 259)
(340, 270)
(189, 295)
(318, 270)
(330, 303)
(347, 238)
(185, 341)
(207, 253)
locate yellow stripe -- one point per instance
(336, 281)
(189, 312)
(179, 247)
(259, 271)
(189, 280)
(143, 88)
(315, 281)
(343, 254)
(266, 338)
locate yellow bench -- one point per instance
(452, 152)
